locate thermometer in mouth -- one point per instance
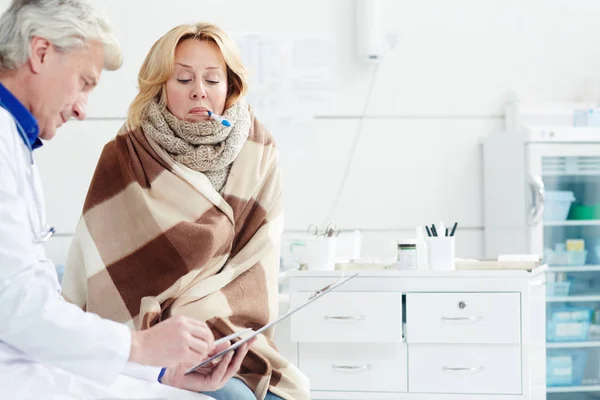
(218, 118)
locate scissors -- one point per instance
(331, 230)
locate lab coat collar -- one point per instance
(22, 116)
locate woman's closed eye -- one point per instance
(84, 85)
(209, 81)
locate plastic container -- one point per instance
(320, 253)
(559, 314)
(558, 288)
(422, 259)
(596, 211)
(441, 253)
(582, 212)
(565, 258)
(586, 116)
(567, 331)
(569, 324)
(594, 332)
(557, 205)
(593, 244)
(407, 254)
(565, 367)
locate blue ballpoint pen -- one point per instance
(218, 118)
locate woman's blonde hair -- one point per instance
(159, 63)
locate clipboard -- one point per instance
(318, 294)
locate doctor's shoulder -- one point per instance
(7, 123)
(9, 137)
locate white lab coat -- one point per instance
(49, 348)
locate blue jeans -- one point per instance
(235, 389)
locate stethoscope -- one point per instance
(42, 231)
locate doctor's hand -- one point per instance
(177, 340)
(210, 377)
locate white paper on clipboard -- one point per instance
(318, 294)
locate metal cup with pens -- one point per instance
(441, 246)
(321, 247)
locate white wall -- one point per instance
(435, 95)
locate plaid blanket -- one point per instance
(157, 240)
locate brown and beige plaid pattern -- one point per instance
(157, 240)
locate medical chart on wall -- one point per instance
(290, 80)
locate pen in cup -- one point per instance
(447, 232)
(454, 229)
(441, 229)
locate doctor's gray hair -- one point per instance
(67, 24)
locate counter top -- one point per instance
(463, 273)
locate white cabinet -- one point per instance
(479, 369)
(464, 318)
(422, 335)
(352, 317)
(354, 367)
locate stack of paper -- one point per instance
(506, 262)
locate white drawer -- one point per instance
(489, 369)
(356, 317)
(348, 367)
(470, 318)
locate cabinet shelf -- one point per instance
(573, 389)
(583, 268)
(572, 299)
(572, 345)
(578, 222)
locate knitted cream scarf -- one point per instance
(205, 146)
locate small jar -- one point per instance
(407, 254)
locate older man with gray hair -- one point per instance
(51, 55)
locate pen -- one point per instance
(446, 231)
(433, 230)
(232, 336)
(454, 229)
(428, 231)
(218, 118)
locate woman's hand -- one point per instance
(210, 377)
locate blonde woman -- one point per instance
(184, 214)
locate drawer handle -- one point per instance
(463, 369)
(344, 318)
(466, 319)
(351, 368)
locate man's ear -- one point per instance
(39, 50)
